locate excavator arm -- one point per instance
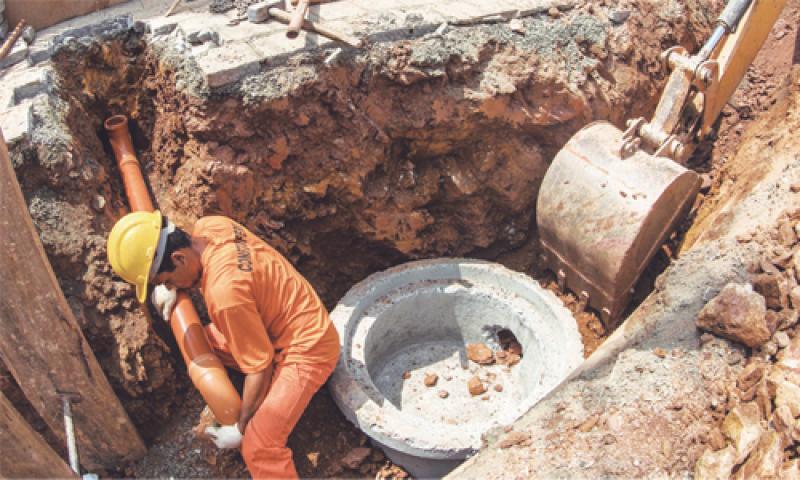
(610, 198)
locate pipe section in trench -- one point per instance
(205, 369)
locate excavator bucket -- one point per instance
(601, 218)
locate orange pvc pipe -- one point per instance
(205, 369)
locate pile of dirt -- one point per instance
(758, 435)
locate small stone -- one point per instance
(485, 397)
(783, 420)
(618, 17)
(513, 438)
(766, 460)
(99, 203)
(475, 386)
(406, 375)
(514, 348)
(589, 423)
(750, 376)
(431, 379)
(773, 288)
(480, 353)
(28, 34)
(498, 388)
(716, 440)
(737, 313)
(705, 338)
(742, 426)
(313, 458)
(715, 464)
(786, 234)
(516, 26)
(554, 12)
(795, 187)
(659, 352)
(782, 339)
(788, 394)
(443, 394)
(355, 457)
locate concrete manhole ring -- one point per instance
(417, 318)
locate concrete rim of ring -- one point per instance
(485, 297)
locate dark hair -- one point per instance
(175, 241)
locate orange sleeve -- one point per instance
(246, 336)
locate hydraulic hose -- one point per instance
(205, 369)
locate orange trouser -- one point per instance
(264, 444)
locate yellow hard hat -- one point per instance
(132, 246)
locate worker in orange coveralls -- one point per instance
(267, 322)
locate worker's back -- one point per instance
(243, 277)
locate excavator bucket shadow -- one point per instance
(601, 218)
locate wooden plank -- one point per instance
(25, 453)
(43, 346)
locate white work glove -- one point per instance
(226, 436)
(164, 300)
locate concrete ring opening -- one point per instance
(404, 370)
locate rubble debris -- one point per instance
(355, 457)
(480, 353)
(507, 359)
(743, 428)
(513, 438)
(406, 375)
(737, 313)
(766, 460)
(773, 288)
(313, 458)
(498, 387)
(475, 386)
(714, 465)
(431, 379)
(443, 394)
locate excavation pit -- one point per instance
(414, 321)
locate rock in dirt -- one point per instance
(514, 438)
(406, 375)
(788, 394)
(715, 465)
(355, 457)
(790, 470)
(443, 394)
(431, 379)
(743, 428)
(766, 460)
(313, 458)
(498, 388)
(773, 288)
(475, 386)
(737, 313)
(480, 353)
(716, 440)
(750, 375)
(507, 359)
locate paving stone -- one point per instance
(16, 55)
(277, 44)
(246, 30)
(223, 65)
(535, 7)
(386, 5)
(335, 11)
(15, 122)
(162, 25)
(30, 83)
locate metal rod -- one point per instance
(72, 446)
(317, 27)
(716, 36)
